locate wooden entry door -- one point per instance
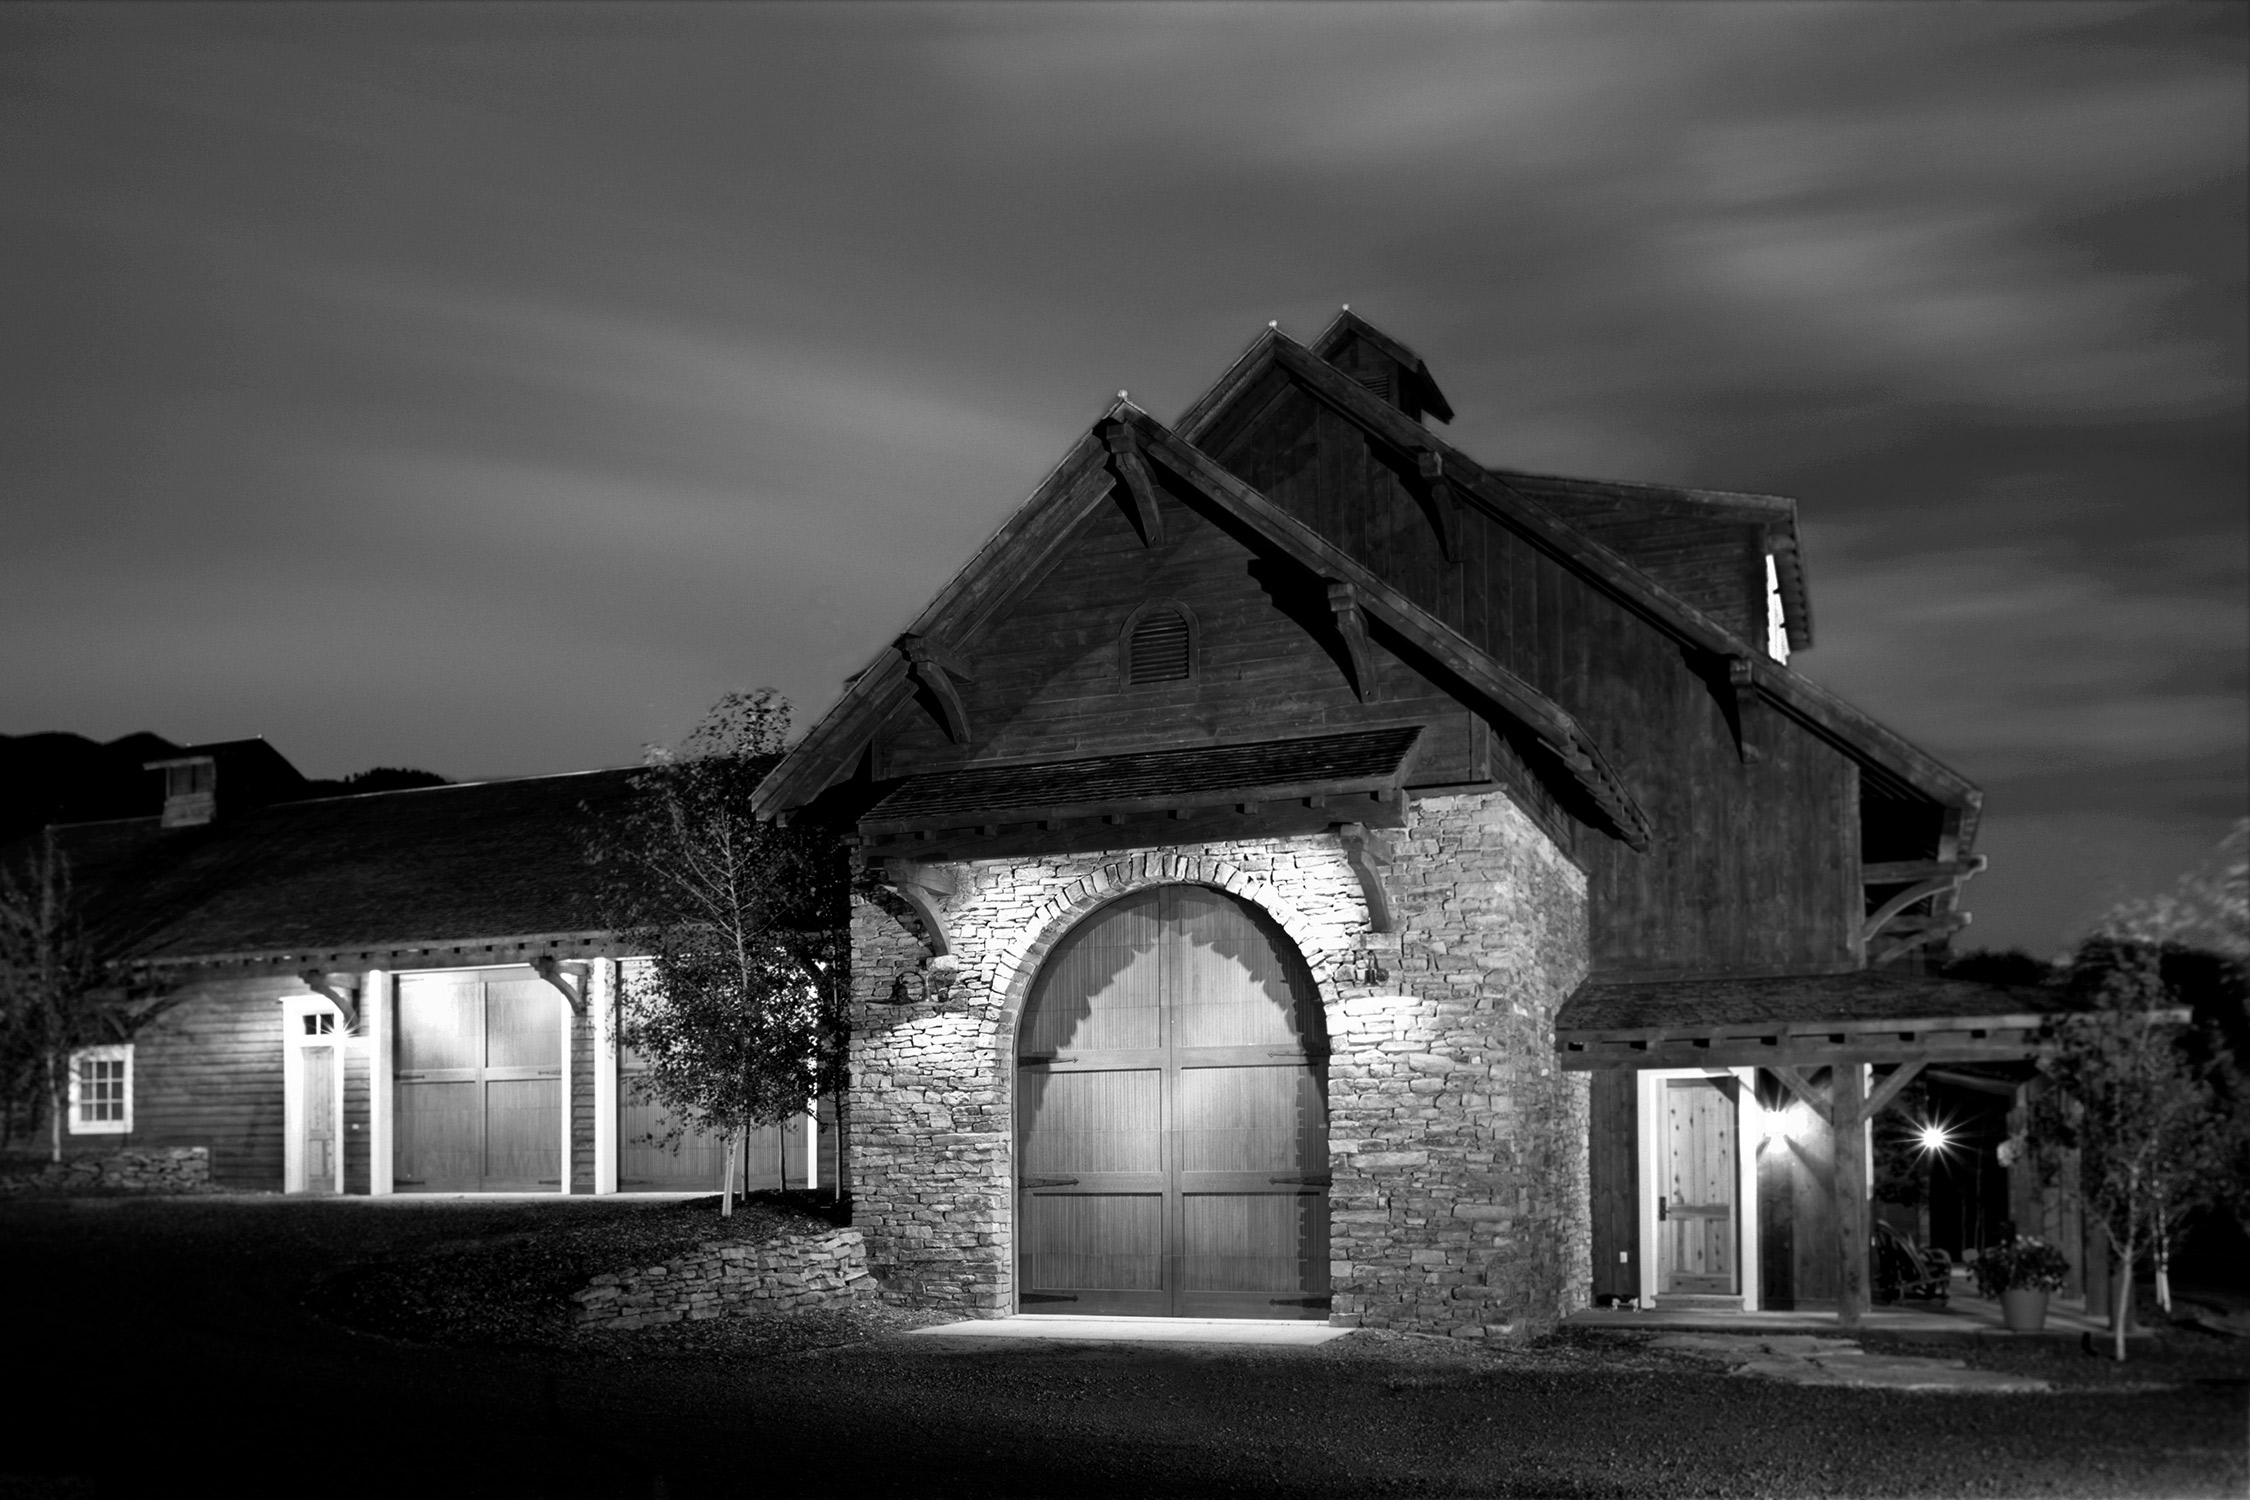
(1171, 1117)
(1696, 1219)
(318, 1117)
(479, 1085)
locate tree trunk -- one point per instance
(2121, 1296)
(734, 1152)
(54, 1107)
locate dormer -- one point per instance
(1382, 364)
(191, 786)
(255, 774)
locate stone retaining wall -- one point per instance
(179, 1169)
(728, 1279)
(1457, 1146)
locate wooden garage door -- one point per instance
(478, 1073)
(653, 1158)
(1171, 1117)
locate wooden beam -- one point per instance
(1364, 858)
(1888, 1089)
(1743, 680)
(927, 661)
(1954, 873)
(1351, 624)
(1801, 1086)
(1441, 503)
(546, 968)
(1125, 456)
(1910, 871)
(1847, 1090)
(344, 1000)
(1423, 632)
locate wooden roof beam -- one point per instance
(1581, 759)
(1125, 456)
(1810, 704)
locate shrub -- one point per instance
(2022, 1264)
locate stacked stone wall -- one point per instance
(727, 1279)
(1457, 1147)
(182, 1169)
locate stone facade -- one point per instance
(728, 1279)
(1457, 1147)
(184, 1169)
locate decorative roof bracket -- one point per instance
(922, 887)
(1351, 624)
(1749, 711)
(345, 1000)
(1365, 858)
(544, 965)
(937, 669)
(1440, 501)
(1946, 882)
(1125, 455)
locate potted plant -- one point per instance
(2020, 1274)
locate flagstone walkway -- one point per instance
(1804, 1359)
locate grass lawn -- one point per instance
(204, 1345)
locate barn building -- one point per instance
(1309, 873)
(396, 992)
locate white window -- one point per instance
(101, 1090)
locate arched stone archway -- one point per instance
(1170, 1111)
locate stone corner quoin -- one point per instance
(1457, 1146)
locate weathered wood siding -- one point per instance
(1047, 680)
(1614, 1167)
(1755, 866)
(208, 1073)
(358, 1125)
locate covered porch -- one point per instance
(1732, 1142)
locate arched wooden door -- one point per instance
(1172, 1117)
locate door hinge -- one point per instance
(1044, 1182)
(1306, 1179)
(1329, 1301)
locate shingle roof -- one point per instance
(1359, 761)
(1688, 1006)
(452, 863)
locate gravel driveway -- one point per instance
(176, 1354)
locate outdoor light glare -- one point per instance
(1934, 1137)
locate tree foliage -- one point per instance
(54, 992)
(2134, 1093)
(741, 1011)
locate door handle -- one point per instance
(1661, 1215)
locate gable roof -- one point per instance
(1030, 543)
(373, 873)
(1893, 766)
(1348, 325)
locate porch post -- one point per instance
(1848, 1096)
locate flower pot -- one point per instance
(2023, 1309)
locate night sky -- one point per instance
(487, 389)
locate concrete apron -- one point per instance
(1803, 1359)
(1267, 1331)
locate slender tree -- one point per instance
(53, 998)
(2132, 1095)
(742, 1009)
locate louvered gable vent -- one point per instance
(1158, 648)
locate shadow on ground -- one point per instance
(175, 1352)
